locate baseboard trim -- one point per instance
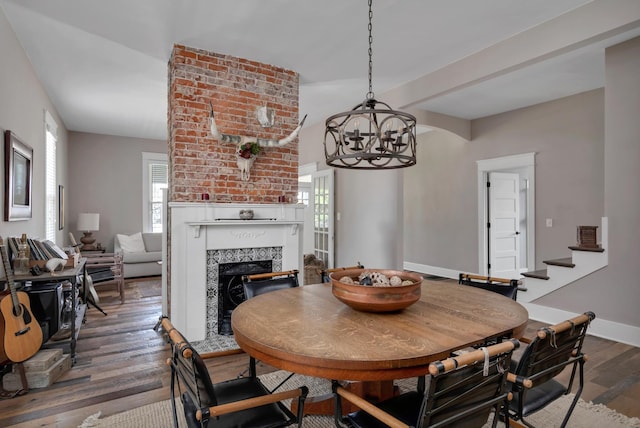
(605, 329)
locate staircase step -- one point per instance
(538, 274)
(566, 262)
(593, 250)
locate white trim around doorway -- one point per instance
(525, 160)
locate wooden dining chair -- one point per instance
(547, 355)
(261, 283)
(106, 268)
(506, 287)
(241, 402)
(462, 391)
(324, 273)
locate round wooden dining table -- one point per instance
(306, 330)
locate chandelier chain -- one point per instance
(370, 93)
(372, 135)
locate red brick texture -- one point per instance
(236, 87)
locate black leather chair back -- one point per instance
(191, 376)
(460, 393)
(465, 396)
(324, 273)
(278, 281)
(508, 289)
(553, 349)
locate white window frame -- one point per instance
(51, 180)
(148, 159)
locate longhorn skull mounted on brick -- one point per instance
(246, 162)
(263, 142)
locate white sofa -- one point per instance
(140, 258)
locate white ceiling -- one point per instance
(104, 63)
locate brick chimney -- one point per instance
(236, 87)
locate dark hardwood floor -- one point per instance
(121, 365)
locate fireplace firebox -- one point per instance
(230, 290)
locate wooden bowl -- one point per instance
(376, 299)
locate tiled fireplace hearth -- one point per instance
(206, 236)
(224, 284)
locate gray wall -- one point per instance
(22, 111)
(440, 215)
(369, 203)
(567, 136)
(106, 178)
(622, 176)
(613, 292)
(441, 201)
(100, 173)
(587, 157)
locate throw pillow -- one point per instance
(131, 243)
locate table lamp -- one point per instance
(88, 223)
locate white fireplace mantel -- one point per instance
(199, 227)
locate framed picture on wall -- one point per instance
(18, 170)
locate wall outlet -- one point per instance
(549, 222)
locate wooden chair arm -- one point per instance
(472, 357)
(176, 338)
(358, 266)
(254, 402)
(100, 265)
(96, 258)
(487, 278)
(519, 380)
(271, 274)
(565, 325)
(216, 354)
(374, 411)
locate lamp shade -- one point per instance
(88, 221)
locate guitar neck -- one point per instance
(8, 272)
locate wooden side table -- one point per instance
(73, 275)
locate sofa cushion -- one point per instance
(145, 257)
(131, 243)
(152, 241)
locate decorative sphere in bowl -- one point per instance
(347, 286)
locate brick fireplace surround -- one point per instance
(201, 232)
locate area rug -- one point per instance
(159, 415)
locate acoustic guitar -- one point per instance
(22, 333)
(3, 355)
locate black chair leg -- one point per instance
(173, 398)
(337, 415)
(577, 395)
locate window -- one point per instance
(304, 189)
(51, 196)
(155, 167)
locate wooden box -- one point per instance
(587, 237)
(37, 378)
(72, 262)
(44, 359)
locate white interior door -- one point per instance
(321, 202)
(504, 219)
